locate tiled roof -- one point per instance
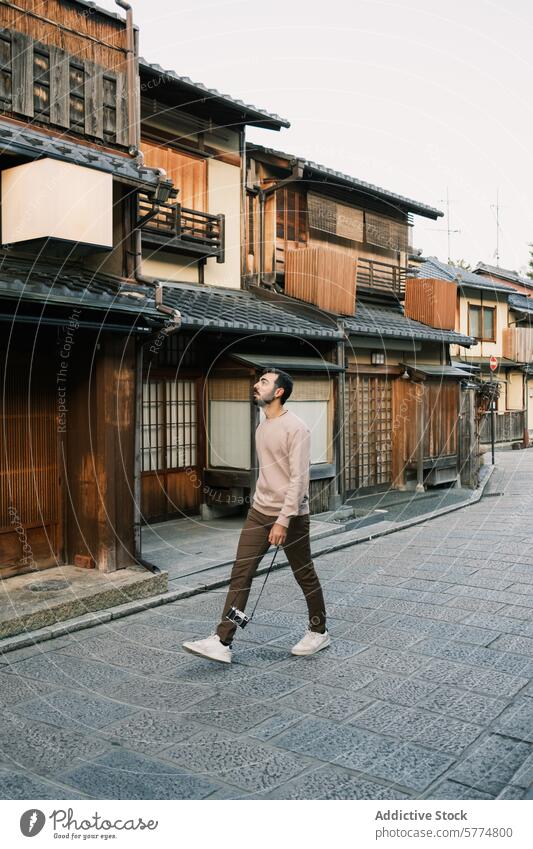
(434, 268)
(340, 179)
(505, 273)
(239, 310)
(521, 303)
(24, 141)
(250, 114)
(390, 322)
(48, 283)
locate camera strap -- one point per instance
(264, 582)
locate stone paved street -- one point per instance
(426, 691)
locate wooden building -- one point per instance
(341, 244)
(72, 316)
(484, 310)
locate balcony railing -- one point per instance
(508, 426)
(518, 344)
(177, 227)
(381, 277)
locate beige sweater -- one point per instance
(283, 447)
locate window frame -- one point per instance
(482, 309)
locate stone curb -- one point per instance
(80, 623)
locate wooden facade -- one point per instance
(518, 344)
(323, 277)
(64, 67)
(431, 301)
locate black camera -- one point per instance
(237, 616)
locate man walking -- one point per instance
(279, 516)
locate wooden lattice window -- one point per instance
(169, 426)
(368, 431)
(386, 232)
(5, 70)
(41, 84)
(77, 97)
(110, 108)
(291, 218)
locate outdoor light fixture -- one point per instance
(405, 375)
(163, 191)
(377, 358)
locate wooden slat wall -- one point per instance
(84, 34)
(441, 420)
(94, 101)
(431, 301)
(188, 173)
(29, 477)
(22, 71)
(59, 87)
(323, 277)
(518, 344)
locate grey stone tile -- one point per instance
(519, 645)
(453, 790)
(127, 655)
(67, 671)
(275, 724)
(324, 701)
(476, 656)
(358, 614)
(330, 783)
(492, 764)
(523, 777)
(402, 763)
(510, 792)
(382, 635)
(249, 766)
(388, 660)
(347, 675)
(267, 686)
(309, 668)
(402, 691)
(14, 688)
(501, 624)
(171, 696)
(43, 749)
(482, 680)
(471, 707)
(418, 726)
(17, 785)
(323, 739)
(126, 775)
(441, 613)
(72, 709)
(230, 712)
(255, 633)
(517, 720)
(150, 731)
(259, 656)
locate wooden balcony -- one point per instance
(381, 277)
(518, 344)
(174, 227)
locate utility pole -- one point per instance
(448, 227)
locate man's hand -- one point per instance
(277, 535)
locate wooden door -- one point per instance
(171, 465)
(187, 172)
(30, 525)
(368, 431)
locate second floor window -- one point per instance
(41, 84)
(290, 215)
(77, 97)
(5, 71)
(110, 109)
(482, 323)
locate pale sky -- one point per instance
(417, 96)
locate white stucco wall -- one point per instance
(224, 191)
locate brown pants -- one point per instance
(253, 545)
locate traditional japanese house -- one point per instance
(73, 316)
(198, 450)
(484, 310)
(331, 240)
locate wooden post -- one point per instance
(420, 438)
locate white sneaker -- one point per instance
(311, 643)
(211, 648)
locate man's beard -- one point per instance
(264, 402)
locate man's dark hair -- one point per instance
(283, 381)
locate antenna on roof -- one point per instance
(496, 206)
(448, 227)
